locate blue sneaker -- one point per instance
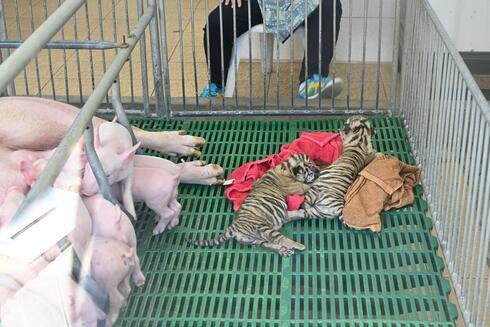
(317, 86)
(211, 91)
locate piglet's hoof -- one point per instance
(195, 172)
(177, 143)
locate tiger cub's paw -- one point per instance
(285, 252)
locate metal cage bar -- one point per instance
(448, 121)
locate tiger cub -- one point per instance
(265, 210)
(326, 196)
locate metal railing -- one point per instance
(448, 121)
(365, 57)
(446, 116)
(80, 52)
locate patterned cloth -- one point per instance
(282, 16)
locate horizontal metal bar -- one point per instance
(131, 112)
(62, 44)
(63, 151)
(18, 60)
(259, 111)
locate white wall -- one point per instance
(466, 21)
(356, 16)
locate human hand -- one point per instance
(238, 2)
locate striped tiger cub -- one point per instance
(325, 199)
(265, 210)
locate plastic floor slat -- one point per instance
(343, 278)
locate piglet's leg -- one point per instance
(127, 195)
(48, 121)
(171, 143)
(203, 175)
(125, 287)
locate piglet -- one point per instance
(69, 179)
(109, 221)
(50, 301)
(115, 150)
(158, 189)
(112, 264)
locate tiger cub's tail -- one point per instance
(228, 234)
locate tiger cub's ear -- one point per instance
(297, 170)
(373, 131)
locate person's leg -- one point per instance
(327, 42)
(214, 55)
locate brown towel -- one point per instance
(384, 184)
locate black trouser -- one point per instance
(327, 42)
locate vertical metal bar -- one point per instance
(380, 34)
(156, 62)
(101, 30)
(277, 59)
(441, 147)
(19, 33)
(114, 23)
(406, 55)
(473, 267)
(144, 66)
(131, 78)
(193, 32)
(364, 37)
(264, 62)
(91, 59)
(456, 143)
(50, 61)
(320, 48)
(4, 53)
(235, 61)
(181, 35)
(208, 48)
(291, 55)
(458, 150)
(447, 143)
(79, 71)
(487, 301)
(249, 57)
(349, 56)
(36, 61)
(65, 63)
(394, 68)
(433, 134)
(468, 241)
(483, 250)
(223, 81)
(334, 64)
(305, 4)
(164, 52)
(411, 31)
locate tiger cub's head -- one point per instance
(356, 131)
(302, 168)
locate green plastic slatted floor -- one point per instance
(343, 278)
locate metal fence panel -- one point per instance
(448, 121)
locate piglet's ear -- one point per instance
(128, 155)
(114, 119)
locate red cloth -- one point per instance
(323, 146)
